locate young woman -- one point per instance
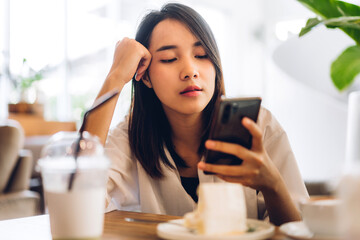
(156, 152)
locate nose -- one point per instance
(189, 70)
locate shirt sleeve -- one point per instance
(279, 150)
(122, 186)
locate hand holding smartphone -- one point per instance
(227, 127)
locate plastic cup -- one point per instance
(78, 212)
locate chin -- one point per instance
(186, 108)
(192, 110)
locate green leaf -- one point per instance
(311, 22)
(328, 9)
(348, 22)
(348, 9)
(346, 67)
(351, 10)
(339, 22)
(38, 76)
(323, 8)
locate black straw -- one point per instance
(99, 102)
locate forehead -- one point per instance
(171, 32)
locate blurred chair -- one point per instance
(319, 188)
(15, 172)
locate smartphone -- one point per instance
(227, 127)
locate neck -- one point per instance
(186, 129)
(186, 137)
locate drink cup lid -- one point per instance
(58, 153)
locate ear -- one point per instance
(146, 80)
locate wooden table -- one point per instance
(115, 227)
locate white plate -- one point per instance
(262, 230)
(298, 230)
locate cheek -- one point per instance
(158, 77)
(210, 76)
(158, 71)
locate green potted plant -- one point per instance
(346, 17)
(24, 85)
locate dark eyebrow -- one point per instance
(167, 47)
(197, 44)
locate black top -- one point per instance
(190, 184)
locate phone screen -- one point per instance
(227, 127)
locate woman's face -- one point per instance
(181, 74)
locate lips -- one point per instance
(191, 89)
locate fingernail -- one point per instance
(136, 76)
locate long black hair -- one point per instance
(149, 128)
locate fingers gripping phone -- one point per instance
(227, 127)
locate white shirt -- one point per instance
(130, 188)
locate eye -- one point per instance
(201, 56)
(168, 60)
